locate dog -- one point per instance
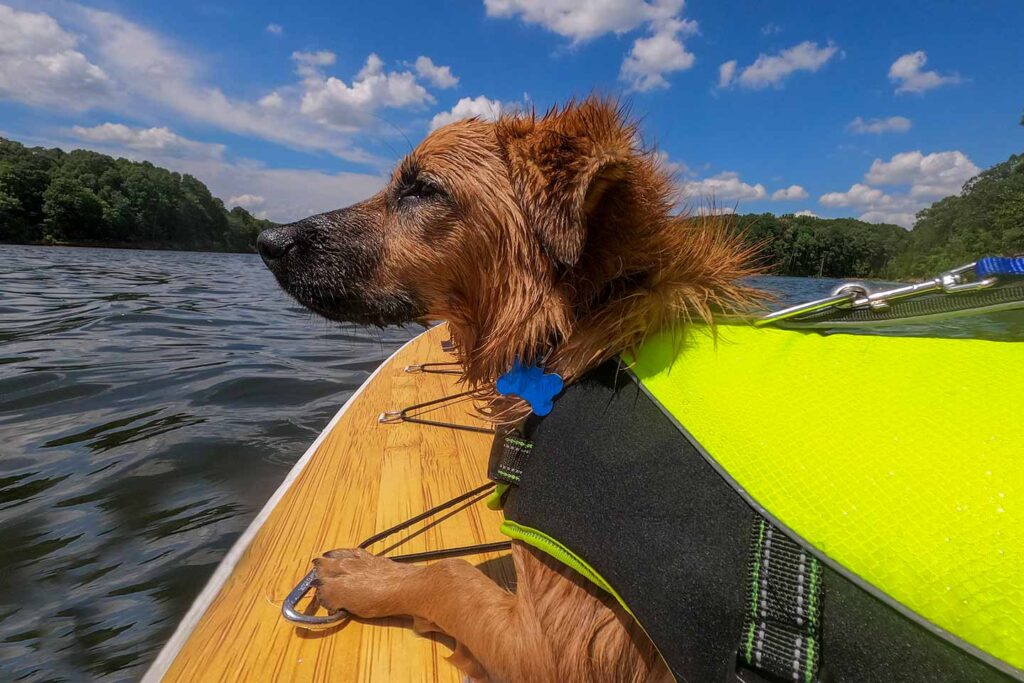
(534, 236)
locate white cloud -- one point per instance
(663, 52)
(585, 19)
(271, 101)
(859, 194)
(308, 64)
(651, 58)
(276, 29)
(247, 201)
(289, 194)
(770, 29)
(892, 124)
(904, 219)
(469, 107)
(40, 66)
(726, 185)
(668, 165)
(441, 76)
(808, 213)
(772, 70)
(84, 58)
(331, 101)
(790, 193)
(148, 69)
(924, 177)
(933, 175)
(374, 67)
(726, 71)
(906, 72)
(875, 205)
(318, 58)
(712, 210)
(148, 140)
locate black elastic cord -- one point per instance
(404, 416)
(477, 549)
(445, 552)
(447, 368)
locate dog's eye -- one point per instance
(418, 189)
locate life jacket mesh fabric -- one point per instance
(899, 459)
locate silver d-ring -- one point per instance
(314, 623)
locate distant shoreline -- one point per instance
(138, 246)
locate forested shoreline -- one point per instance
(987, 218)
(48, 196)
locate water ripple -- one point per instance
(150, 402)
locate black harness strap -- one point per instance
(509, 455)
(782, 631)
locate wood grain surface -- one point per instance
(363, 477)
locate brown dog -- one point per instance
(533, 237)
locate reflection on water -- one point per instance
(150, 402)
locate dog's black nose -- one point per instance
(274, 244)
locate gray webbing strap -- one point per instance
(782, 631)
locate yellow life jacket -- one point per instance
(896, 464)
(899, 460)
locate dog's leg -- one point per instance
(501, 632)
(461, 658)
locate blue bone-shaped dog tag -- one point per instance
(530, 383)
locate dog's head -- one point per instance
(514, 231)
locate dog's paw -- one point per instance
(360, 583)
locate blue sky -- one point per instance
(840, 109)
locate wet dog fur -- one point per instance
(533, 236)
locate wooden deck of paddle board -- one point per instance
(362, 477)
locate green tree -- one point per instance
(243, 230)
(24, 175)
(986, 218)
(822, 247)
(72, 210)
(86, 197)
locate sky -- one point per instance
(866, 109)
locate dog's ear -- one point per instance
(563, 166)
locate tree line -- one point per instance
(987, 218)
(48, 196)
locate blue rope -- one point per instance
(999, 265)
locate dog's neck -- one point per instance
(685, 271)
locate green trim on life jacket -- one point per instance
(493, 501)
(541, 541)
(899, 459)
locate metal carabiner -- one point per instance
(312, 622)
(289, 607)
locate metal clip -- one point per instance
(856, 295)
(390, 417)
(314, 623)
(831, 301)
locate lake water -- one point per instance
(150, 402)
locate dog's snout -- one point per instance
(274, 244)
